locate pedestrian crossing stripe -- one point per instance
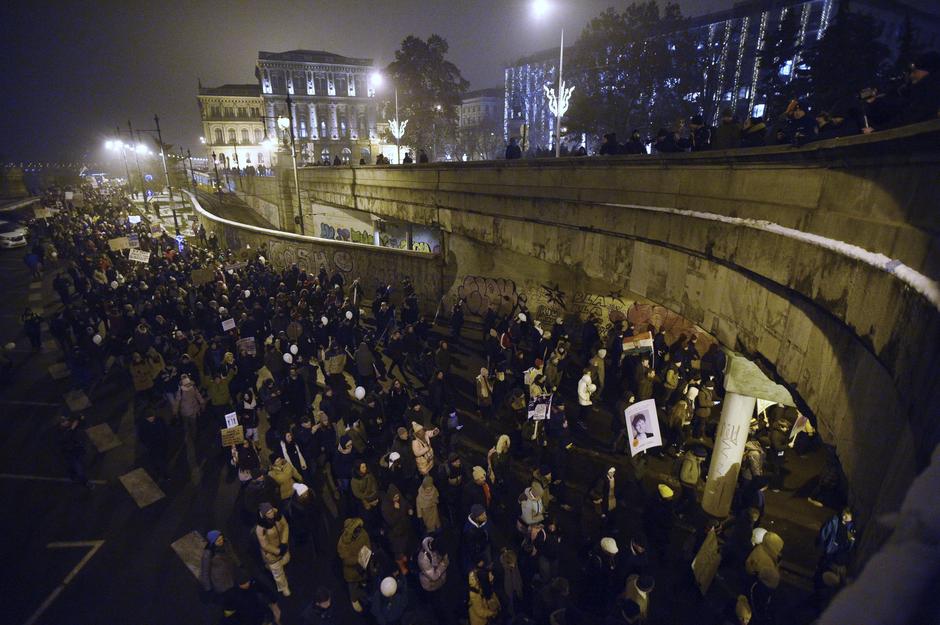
(103, 437)
(141, 487)
(77, 400)
(189, 548)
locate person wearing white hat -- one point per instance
(390, 601)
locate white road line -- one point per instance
(42, 478)
(59, 371)
(95, 546)
(35, 286)
(35, 297)
(77, 400)
(103, 437)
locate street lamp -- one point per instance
(218, 183)
(114, 146)
(287, 123)
(396, 127)
(557, 100)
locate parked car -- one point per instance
(12, 235)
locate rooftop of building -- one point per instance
(250, 90)
(489, 92)
(312, 56)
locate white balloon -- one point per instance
(349, 315)
(10, 346)
(294, 350)
(522, 317)
(247, 293)
(360, 392)
(288, 358)
(96, 339)
(114, 284)
(324, 320)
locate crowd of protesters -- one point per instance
(354, 461)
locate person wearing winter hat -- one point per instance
(478, 491)
(530, 505)
(218, 568)
(763, 565)
(421, 447)
(273, 533)
(426, 505)
(390, 601)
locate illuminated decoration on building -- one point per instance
(553, 103)
(397, 130)
(761, 34)
(824, 19)
(739, 61)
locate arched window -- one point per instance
(246, 136)
(259, 136)
(325, 155)
(231, 135)
(365, 154)
(347, 154)
(218, 136)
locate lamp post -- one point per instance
(192, 172)
(397, 127)
(287, 123)
(557, 100)
(166, 173)
(137, 152)
(238, 169)
(218, 183)
(119, 145)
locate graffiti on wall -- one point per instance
(480, 293)
(351, 235)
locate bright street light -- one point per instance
(109, 145)
(376, 79)
(202, 140)
(541, 8)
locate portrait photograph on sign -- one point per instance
(643, 426)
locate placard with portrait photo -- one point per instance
(642, 426)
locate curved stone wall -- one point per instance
(720, 238)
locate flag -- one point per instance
(638, 344)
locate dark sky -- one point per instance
(72, 71)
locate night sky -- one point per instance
(72, 71)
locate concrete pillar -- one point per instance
(726, 456)
(314, 127)
(411, 237)
(334, 128)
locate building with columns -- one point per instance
(334, 107)
(232, 126)
(480, 124)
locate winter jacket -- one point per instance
(217, 569)
(585, 388)
(285, 475)
(752, 465)
(218, 390)
(531, 508)
(691, 470)
(482, 609)
(764, 560)
(365, 488)
(388, 610)
(680, 414)
(423, 453)
(398, 522)
(351, 542)
(432, 567)
(188, 401)
(427, 508)
(271, 538)
(142, 375)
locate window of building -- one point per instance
(228, 111)
(277, 82)
(261, 158)
(347, 154)
(259, 136)
(343, 123)
(303, 128)
(255, 111)
(216, 111)
(325, 155)
(319, 84)
(242, 111)
(758, 110)
(218, 136)
(341, 88)
(246, 136)
(231, 135)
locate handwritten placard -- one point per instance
(228, 324)
(139, 256)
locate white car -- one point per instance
(12, 235)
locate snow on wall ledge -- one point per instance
(927, 287)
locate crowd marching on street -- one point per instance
(370, 460)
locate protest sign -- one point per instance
(232, 436)
(119, 243)
(139, 256)
(638, 344)
(133, 240)
(69, 195)
(228, 324)
(156, 229)
(231, 420)
(134, 219)
(540, 407)
(642, 426)
(705, 564)
(248, 345)
(42, 213)
(200, 276)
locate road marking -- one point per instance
(50, 346)
(77, 400)
(189, 548)
(59, 371)
(95, 546)
(103, 437)
(23, 402)
(35, 286)
(141, 487)
(43, 478)
(35, 297)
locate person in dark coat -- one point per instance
(155, 437)
(634, 145)
(513, 151)
(72, 446)
(397, 513)
(320, 611)
(728, 134)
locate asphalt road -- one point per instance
(74, 556)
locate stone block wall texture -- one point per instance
(857, 346)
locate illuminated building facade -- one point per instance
(731, 42)
(334, 107)
(231, 125)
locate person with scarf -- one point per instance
(219, 566)
(397, 513)
(273, 533)
(291, 452)
(427, 505)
